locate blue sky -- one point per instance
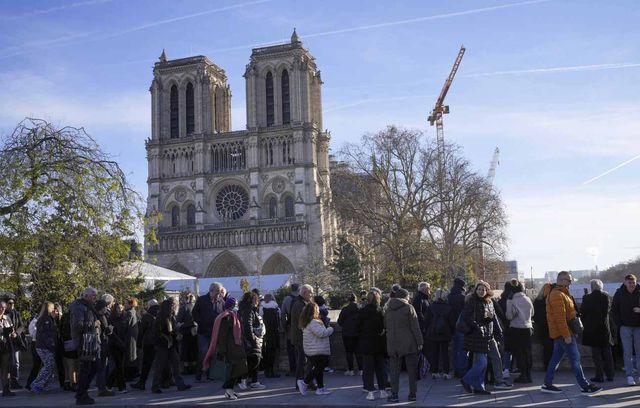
(553, 83)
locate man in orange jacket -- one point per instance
(560, 311)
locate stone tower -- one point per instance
(238, 203)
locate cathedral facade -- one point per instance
(239, 203)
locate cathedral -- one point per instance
(246, 202)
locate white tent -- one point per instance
(153, 274)
(266, 283)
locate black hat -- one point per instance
(100, 304)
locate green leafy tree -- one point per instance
(346, 266)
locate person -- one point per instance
(271, 344)
(84, 321)
(189, 331)
(119, 347)
(439, 330)
(541, 327)
(106, 332)
(147, 340)
(507, 353)
(59, 353)
(420, 303)
(69, 354)
(316, 346)
(479, 315)
(348, 321)
(286, 326)
(7, 334)
(165, 331)
(45, 347)
(625, 311)
(561, 310)
(494, 371)
(594, 311)
(326, 320)
(519, 311)
(226, 345)
(372, 345)
(456, 299)
(36, 363)
(252, 333)
(18, 343)
(204, 313)
(404, 341)
(306, 292)
(131, 340)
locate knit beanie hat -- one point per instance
(230, 303)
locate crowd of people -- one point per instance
(465, 333)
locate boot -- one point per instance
(6, 392)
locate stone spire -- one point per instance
(163, 56)
(294, 36)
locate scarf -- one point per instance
(237, 335)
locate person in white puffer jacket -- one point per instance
(317, 347)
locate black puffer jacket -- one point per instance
(595, 317)
(146, 334)
(252, 328)
(479, 316)
(622, 307)
(439, 321)
(420, 303)
(370, 328)
(47, 333)
(456, 297)
(348, 320)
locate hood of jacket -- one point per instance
(272, 304)
(458, 283)
(396, 304)
(153, 310)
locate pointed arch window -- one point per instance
(173, 114)
(175, 216)
(286, 106)
(190, 105)
(270, 104)
(289, 208)
(191, 214)
(273, 207)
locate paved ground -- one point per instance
(347, 391)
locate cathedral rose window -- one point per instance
(232, 202)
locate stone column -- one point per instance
(250, 85)
(182, 111)
(155, 109)
(198, 105)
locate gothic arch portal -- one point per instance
(278, 264)
(224, 265)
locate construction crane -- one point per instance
(440, 108)
(490, 176)
(494, 163)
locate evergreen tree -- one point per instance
(346, 266)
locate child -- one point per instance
(317, 348)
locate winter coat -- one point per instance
(595, 318)
(231, 352)
(296, 309)
(166, 333)
(456, 297)
(403, 330)
(252, 328)
(541, 326)
(622, 307)
(370, 330)
(131, 340)
(560, 309)
(271, 319)
(348, 320)
(439, 321)
(146, 334)
(519, 311)
(205, 312)
(315, 339)
(47, 337)
(420, 304)
(83, 318)
(118, 340)
(480, 316)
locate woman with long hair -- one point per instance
(7, 333)
(166, 351)
(46, 341)
(519, 312)
(479, 315)
(226, 346)
(348, 320)
(317, 347)
(118, 348)
(440, 325)
(252, 332)
(372, 345)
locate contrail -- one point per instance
(611, 170)
(575, 68)
(370, 100)
(388, 24)
(54, 9)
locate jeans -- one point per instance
(203, 347)
(603, 360)
(560, 348)
(475, 376)
(496, 361)
(411, 361)
(630, 337)
(459, 354)
(15, 363)
(506, 360)
(374, 363)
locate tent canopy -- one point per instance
(266, 283)
(155, 272)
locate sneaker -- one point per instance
(550, 389)
(243, 384)
(631, 381)
(359, 372)
(412, 397)
(481, 391)
(435, 376)
(384, 394)
(230, 394)
(257, 386)
(302, 387)
(371, 396)
(591, 389)
(506, 373)
(467, 387)
(322, 391)
(503, 386)
(446, 377)
(328, 370)
(393, 398)
(349, 373)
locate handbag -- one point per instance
(575, 325)
(462, 326)
(423, 366)
(90, 347)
